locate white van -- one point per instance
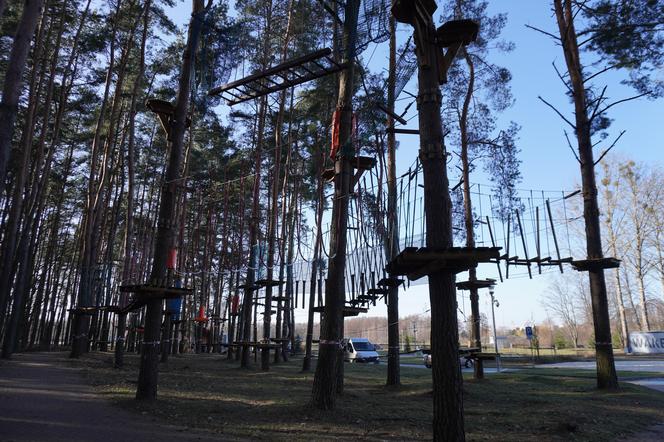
(360, 350)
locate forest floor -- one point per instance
(208, 393)
(44, 397)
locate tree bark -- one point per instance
(13, 85)
(448, 424)
(392, 243)
(330, 349)
(606, 370)
(149, 370)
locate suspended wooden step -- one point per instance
(283, 76)
(268, 283)
(267, 345)
(248, 287)
(402, 130)
(378, 292)
(279, 339)
(83, 310)
(270, 312)
(416, 263)
(592, 264)
(280, 298)
(366, 298)
(477, 284)
(349, 310)
(390, 282)
(357, 301)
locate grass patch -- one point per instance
(209, 393)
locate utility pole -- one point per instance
(495, 336)
(331, 333)
(415, 334)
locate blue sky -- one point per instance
(547, 162)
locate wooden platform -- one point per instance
(477, 284)
(360, 163)
(83, 310)
(377, 292)
(416, 263)
(154, 291)
(584, 265)
(248, 287)
(348, 310)
(390, 282)
(280, 298)
(268, 283)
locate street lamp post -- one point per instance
(493, 316)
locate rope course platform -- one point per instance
(248, 287)
(155, 291)
(390, 282)
(418, 262)
(477, 284)
(84, 310)
(268, 282)
(145, 292)
(279, 339)
(361, 163)
(584, 265)
(283, 76)
(348, 310)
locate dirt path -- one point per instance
(43, 399)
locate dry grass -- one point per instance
(209, 393)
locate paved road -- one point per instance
(634, 365)
(41, 399)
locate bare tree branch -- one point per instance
(562, 78)
(601, 157)
(597, 102)
(600, 72)
(556, 111)
(622, 101)
(572, 149)
(555, 37)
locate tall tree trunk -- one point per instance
(330, 347)
(448, 424)
(468, 214)
(129, 218)
(13, 229)
(81, 323)
(306, 362)
(149, 370)
(392, 243)
(606, 370)
(13, 85)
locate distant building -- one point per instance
(503, 341)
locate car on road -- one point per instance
(465, 362)
(360, 350)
